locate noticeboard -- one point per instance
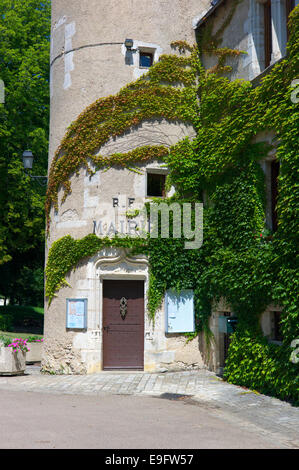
(179, 311)
(76, 314)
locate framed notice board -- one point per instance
(179, 311)
(76, 314)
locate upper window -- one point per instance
(290, 5)
(156, 184)
(267, 32)
(145, 59)
(276, 30)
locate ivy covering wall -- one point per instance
(239, 260)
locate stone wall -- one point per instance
(88, 58)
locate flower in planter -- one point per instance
(34, 339)
(19, 344)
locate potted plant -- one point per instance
(35, 352)
(12, 356)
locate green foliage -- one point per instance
(19, 318)
(255, 363)
(5, 340)
(34, 339)
(237, 261)
(28, 336)
(24, 69)
(6, 322)
(22, 279)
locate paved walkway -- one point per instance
(203, 388)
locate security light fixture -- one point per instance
(129, 44)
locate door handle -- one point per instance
(106, 328)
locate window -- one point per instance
(271, 324)
(156, 184)
(290, 5)
(276, 334)
(145, 59)
(276, 31)
(274, 193)
(267, 32)
(271, 169)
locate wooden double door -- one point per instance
(123, 324)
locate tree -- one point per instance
(24, 120)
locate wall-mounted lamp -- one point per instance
(28, 159)
(129, 44)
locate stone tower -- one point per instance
(90, 59)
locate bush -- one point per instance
(6, 322)
(19, 317)
(5, 340)
(254, 363)
(34, 339)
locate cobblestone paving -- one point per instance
(201, 388)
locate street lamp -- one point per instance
(28, 159)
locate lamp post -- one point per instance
(28, 159)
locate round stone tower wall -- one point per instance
(89, 61)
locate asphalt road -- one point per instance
(31, 420)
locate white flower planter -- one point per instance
(12, 363)
(35, 353)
